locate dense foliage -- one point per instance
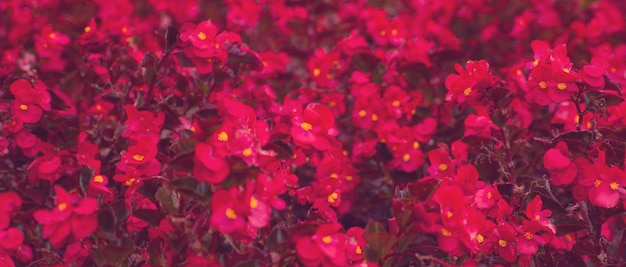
(312, 133)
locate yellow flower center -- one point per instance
(334, 176)
(394, 32)
(395, 103)
(502, 243)
(449, 214)
(614, 186)
(23, 107)
(254, 202)
(445, 232)
(138, 157)
(358, 250)
(230, 214)
(597, 183)
(87, 29)
(416, 145)
(528, 235)
(480, 238)
(374, 117)
(52, 36)
(406, 157)
(349, 178)
(362, 113)
(316, 72)
(247, 152)
(467, 91)
(383, 33)
(489, 195)
(332, 198)
(223, 136)
(543, 85)
(327, 239)
(561, 86)
(306, 126)
(98, 179)
(62, 206)
(443, 167)
(130, 182)
(202, 36)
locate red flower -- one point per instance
(228, 214)
(529, 241)
(315, 127)
(479, 125)
(243, 15)
(441, 166)
(562, 169)
(29, 101)
(469, 82)
(204, 46)
(142, 153)
(608, 188)
(143, 124)
(49, 43)
(48, 166)
(506, 238)
(593, 74)
(208, 167)
(71, 215)
(28, 142)
(10, 203)
(535, 213)
(325, 247)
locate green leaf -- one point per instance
(375, 227)
(116, 253)
(575, 136)
(85, 176)
(423, 189)
(566, 224)
(586, 246)
(365, 61)
(571, 259)
(169, 200)
(283, 149)
(156, 253)
(182, 161)
(192, 188)
(149, 65)
(250, 263)
(153, 217)
(378, 245)
(106, 223)
(170, 36)
(477, 141)
(57, 102)
(149, 188)
(596, 100)
(277, 236)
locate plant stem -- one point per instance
(579, 123)
(510, 166)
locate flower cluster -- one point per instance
(312, 133)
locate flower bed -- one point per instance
(312, 133)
